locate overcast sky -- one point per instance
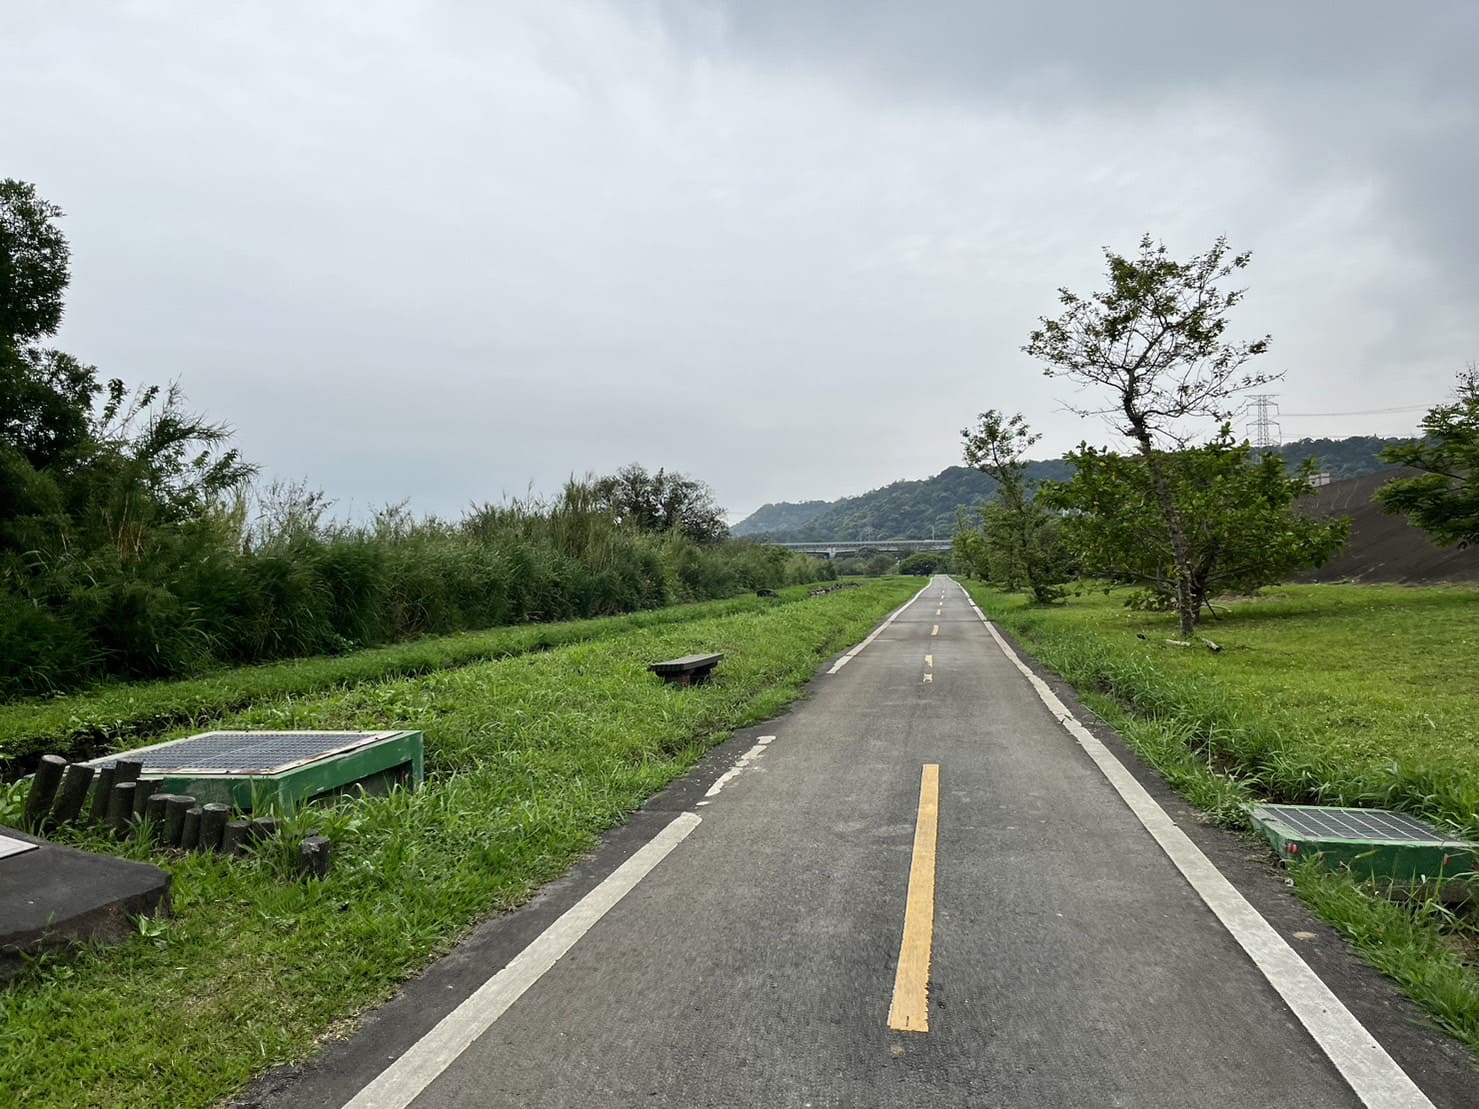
(448, 251)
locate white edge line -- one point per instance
(1361, 1060)
(874, 634)
(401, 1082)
(738, 767)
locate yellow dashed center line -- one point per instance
(910, 1009)
(929, 660)
(936, 631)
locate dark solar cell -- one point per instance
(244, 752)
(1373, 826)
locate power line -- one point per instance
(1364, 412)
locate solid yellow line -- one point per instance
(910, 1009)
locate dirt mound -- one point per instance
(1382, 547)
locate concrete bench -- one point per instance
(688, 670)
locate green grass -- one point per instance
(529, 759)
(1323, 694)
(112, 715)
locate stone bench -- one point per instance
(688, 670)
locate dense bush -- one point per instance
(129, 550)
(199, 596)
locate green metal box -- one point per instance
(1370, 843)
(278, 771)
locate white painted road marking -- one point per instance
(401, 1082)
(739, 765)
(1361, 1060)
(845, 659)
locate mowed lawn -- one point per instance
(1332, 694)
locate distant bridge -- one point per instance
(831, 548)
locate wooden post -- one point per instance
(174, 817)
(154, 813)
(212, 824)
(43, 789)
(121, 807)
(265, 827)
(190, 829)
(147, 788)
(73, 793)
(101, 790)
(127, 770)
(315, 857)
(236, 838)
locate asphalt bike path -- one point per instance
(919, 887)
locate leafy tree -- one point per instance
(1025, 536)
(663, 502)
(1155, 339)
(969, 552)
(1241, 530)
(926, 563)
(1444, 499)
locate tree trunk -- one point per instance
(1186, 602)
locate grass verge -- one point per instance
(1325, 694)
(104, 718)
(529, 759)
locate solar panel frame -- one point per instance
(229, 752)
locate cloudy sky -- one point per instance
(450, 251)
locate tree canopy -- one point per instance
(1444, 499)
(663, 502)
(1155, 341)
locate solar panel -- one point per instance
(1372, 826)
(278, 769)
(244, 752)
(1376, 843)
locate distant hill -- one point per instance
(926, 508)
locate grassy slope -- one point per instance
(529, 759)
(1330, 694)
(112, 715)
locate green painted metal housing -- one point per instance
(278, 771)
(1370, 843)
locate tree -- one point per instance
(1156, 341)
(662, 502)
(1242, 530)
(1444, 499)
(1015, 523)
(926, 563)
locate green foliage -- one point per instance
(128, 548)
(529, 760)
(662, 502)
(1156, 341)
(86, 724)
(1444, 499)
(926, 563)
(1022, 538)
(33, 264)
(1241, 530)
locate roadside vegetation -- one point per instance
(1357, 695)
(90, 723)
(134, 543)
(528, 760)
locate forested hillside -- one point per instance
(925, 508)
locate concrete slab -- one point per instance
(56, 896)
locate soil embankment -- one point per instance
(1383, 547)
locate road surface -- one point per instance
(917, 888)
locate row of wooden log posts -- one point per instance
(120, 801)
